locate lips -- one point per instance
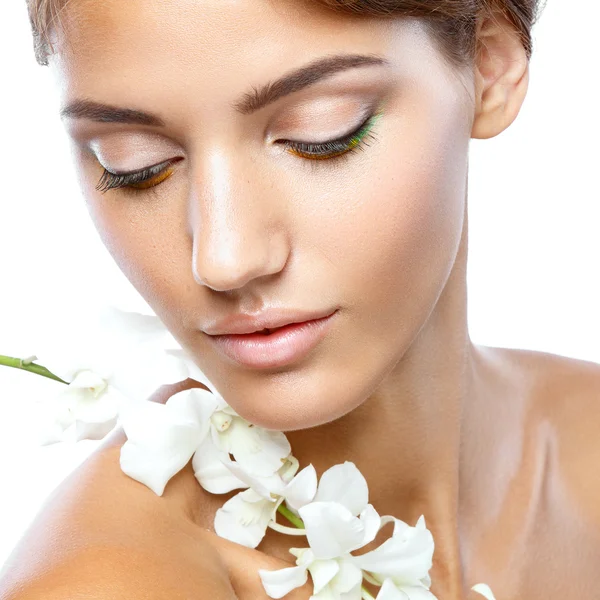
(267, 322)
(273, 347)
(269, 331)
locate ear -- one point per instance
(501, 76)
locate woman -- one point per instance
(216, 143)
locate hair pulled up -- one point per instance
(452, 23)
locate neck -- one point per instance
(406, 438)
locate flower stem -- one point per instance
(290, 516)
(286, 530)
(26, 364)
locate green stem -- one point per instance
(290, 516)
(26, 365)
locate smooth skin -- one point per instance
(496, 447)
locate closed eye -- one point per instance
(149, 177)
(333, 148)
(136, 180)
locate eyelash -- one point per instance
(336, 150)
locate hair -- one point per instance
(452, 23)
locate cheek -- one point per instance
(396, 226)
(139, 233)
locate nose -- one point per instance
(236, 227)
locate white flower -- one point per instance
(161, 438)
(119, 358)
(333, 579)
(245, 517)
(258, 451)
(87, 408)
(402, 562)
(337, 521)
(195, 423)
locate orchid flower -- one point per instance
(337, 521)
(401, 564)
(333, 578)
(245, 517)
(338, 575)
(87, 408)
(258, 451)
(195, 424)
(120, 358)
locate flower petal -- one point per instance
(259, 451)
(264, 486)
(161, 439)
(325, 594)
(371, 521)
(344, 484)
(96, 409)
(354, 594)
(389, 591)
(155, 466)
(279, 583)
(53, 418)
(418, 593)
(211, 472)
(195, 404)
(89, 379)
(348, 579)
(50, 433)
(93, 431)
(406, 557)
(322, 572)
(142, 372)
(242, 521)
(301, 489)
(331, 529)
(133, 327)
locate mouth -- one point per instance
(274, 329)
(273, 347)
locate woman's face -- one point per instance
(241, 223)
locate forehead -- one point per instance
(198, 55)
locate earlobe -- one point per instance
(501, 77)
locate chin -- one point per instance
(293, 400)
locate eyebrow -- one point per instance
(249, 103)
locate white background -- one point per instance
(533, 218)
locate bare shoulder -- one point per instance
(116, 572)
(564, 400)
(564, 390)
(561, 421)
(101, 534)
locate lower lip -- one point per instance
(282, 347)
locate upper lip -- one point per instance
(270, 319)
